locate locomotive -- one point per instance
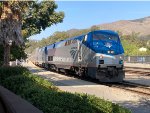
(98, 54)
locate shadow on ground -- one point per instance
(142, 106)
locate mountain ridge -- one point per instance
(127, 27)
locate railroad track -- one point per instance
(129, 86)
(138, 70)
(133, 87)
(125, 85)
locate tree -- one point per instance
(31, 45)
(25, 18)
(132, 43)
(17, 52)
(93, 28)
(40, 16)
(10, 28)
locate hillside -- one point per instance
(136, 34)
(126, 27)
(141, 26)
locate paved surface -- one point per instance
(136, 103)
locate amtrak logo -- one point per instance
(108, 45)
(73, 52)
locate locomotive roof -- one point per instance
(81, 36)
(106, 32)
(96, 31)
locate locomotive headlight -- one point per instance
(108, 51)
(120, 57)
(101, 56)
(112, 52)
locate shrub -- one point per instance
(12, 71)
(17, 84)
(48, 98)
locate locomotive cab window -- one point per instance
(105, 37)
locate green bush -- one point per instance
(41, 81)
(48, 98)
(13, 71)
(17, 84)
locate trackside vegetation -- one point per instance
(48, 98)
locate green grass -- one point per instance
(48, 98)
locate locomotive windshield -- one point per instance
(105, 37)
(106, 42)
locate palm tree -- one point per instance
(26, 17)
(10, 28)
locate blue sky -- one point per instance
(84, 14)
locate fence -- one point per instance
(137, 59)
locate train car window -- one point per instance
(50, 58)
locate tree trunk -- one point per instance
(6, 54)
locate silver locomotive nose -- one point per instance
(104, 61)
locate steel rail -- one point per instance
(133, 87)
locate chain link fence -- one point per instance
(137, 59)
